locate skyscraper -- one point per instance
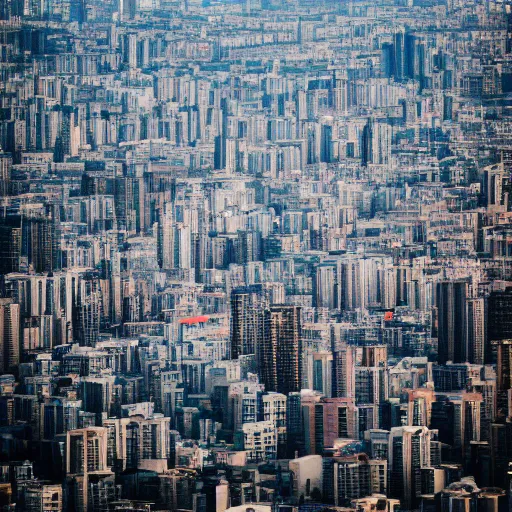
(40, 238)
(322, 373)
(279, 353)
(86, 460)
(344, 379)
(451, 307)
(5, 173)
(9, 335)
(334, 418)
(409, 451)
(39, 497)
(246, 320)
(503, 377)
(476, 330)
(294, 426)
(10, 244)
(356, 476)
(499, 325)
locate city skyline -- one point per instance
(255, 256)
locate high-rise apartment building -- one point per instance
(409, 452)
(260, 441)
(357, 476)
(40, 497)
(279, 353)
(476, 330)
(9, 335)
(334, 418)
(40, 248)
(247, 321)
(420, 407)
(344, 377)
(136, 440)
(86, 461)
(5, 173)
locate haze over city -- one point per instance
(255, 256)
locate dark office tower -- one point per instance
(509, 485)
(279, 351)
(15, 7)
(312, 145)
(247, 320)
(409, 451)
(417, 60)
(218, 157)
(58, 151)
(448, 108)
(406, 57)
(501, 453)
(504, 377)
(387, 60)
(77, 11)
(10, 244)
(9, 335)
(40, 240)
(248, 246)
(476, 330)
(451, 310)
(66, 143)
(294, 428)
(371, 385)
(442, 420)
(5, 10)
(366, 144)
(326, 143)
(479, 462)
(5, 173)
(129, 203)
(399, 56)
(121, 191)
(220, 140)
(499, 320)
(199, 253)
(87, 316)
